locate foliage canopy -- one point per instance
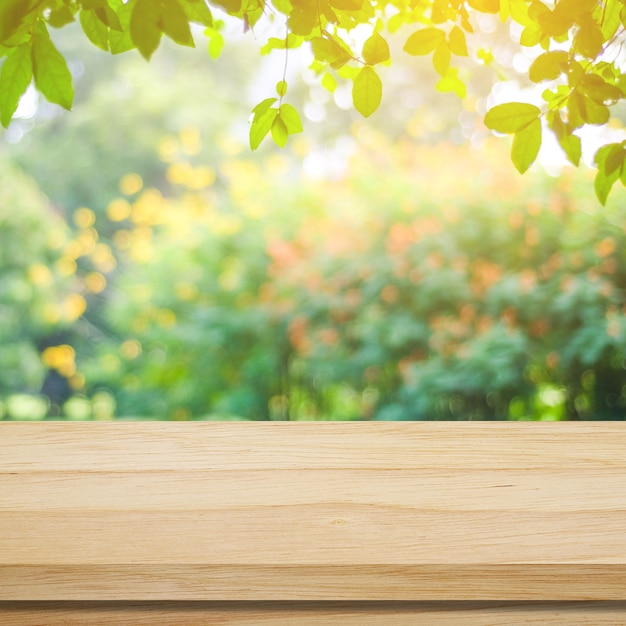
(578, 46)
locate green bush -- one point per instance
(427, 283)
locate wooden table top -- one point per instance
(325, 511)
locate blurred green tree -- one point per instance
(39, 296)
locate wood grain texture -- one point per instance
(313, 614)
(323, 512)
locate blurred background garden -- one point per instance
(153, 267)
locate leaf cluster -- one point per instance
(577, 45)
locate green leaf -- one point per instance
(275, 43)
(548, 66)
(12, 13)
(569, 142)
(347, 5)
(458, 44)
(281, 88)
(441, 58)
(452, 83)
(150, 18)
(261, 125)
(576, 8)
(614, 160)
(594, 113)
(15, 76)
(440, 12)
(329, 82)
(485, 6)
(230, 6)
(280, 134)
(60, 16)
(291, 118)
(511, 117)
(589, 39)
(575, 110)
(303, 19)
(556, 23)
(121, 40)
(605, 180)
(611, 19)
(145, 29)
(197, 11)
(52, 77)
(424, 41)
(109, 17)
(329, 51)
(263, 106)
(526, 144)
(375, 50)
(95, 30)
(599, 90)
(174, 23)
(367, 91)
(572, 147)
(216, 45)
(284, 6)
(531, 36)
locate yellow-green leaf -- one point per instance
(329, 82)
(174, 22)
(576, 7)
(599, 90)
(303, 19)
(424, 41)
(280, 134)
(526, 144)
(12, 12)
(605, 179)
(589, 39)
(592, 112)
(548, 66)
(263, 106)
(216, 44)
(452, 83)
(52, 77)
(375, 50)
(367, 91)
(485, 6)
(611, 18)
(519, 11)
(197, 11)
(60, 16)
(329, 51)
(441, 58)
(15, 76)
(569, 142)
(145, 26)
(511, 117)
(96, 31)
(261, 125)
(458, 44)
(291, 118)
(531, 35)
(121, 40)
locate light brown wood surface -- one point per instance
(314, 614)
(312, 512)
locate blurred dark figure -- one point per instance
(57, 388)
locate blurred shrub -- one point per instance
(427, 283)
(38, 300)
